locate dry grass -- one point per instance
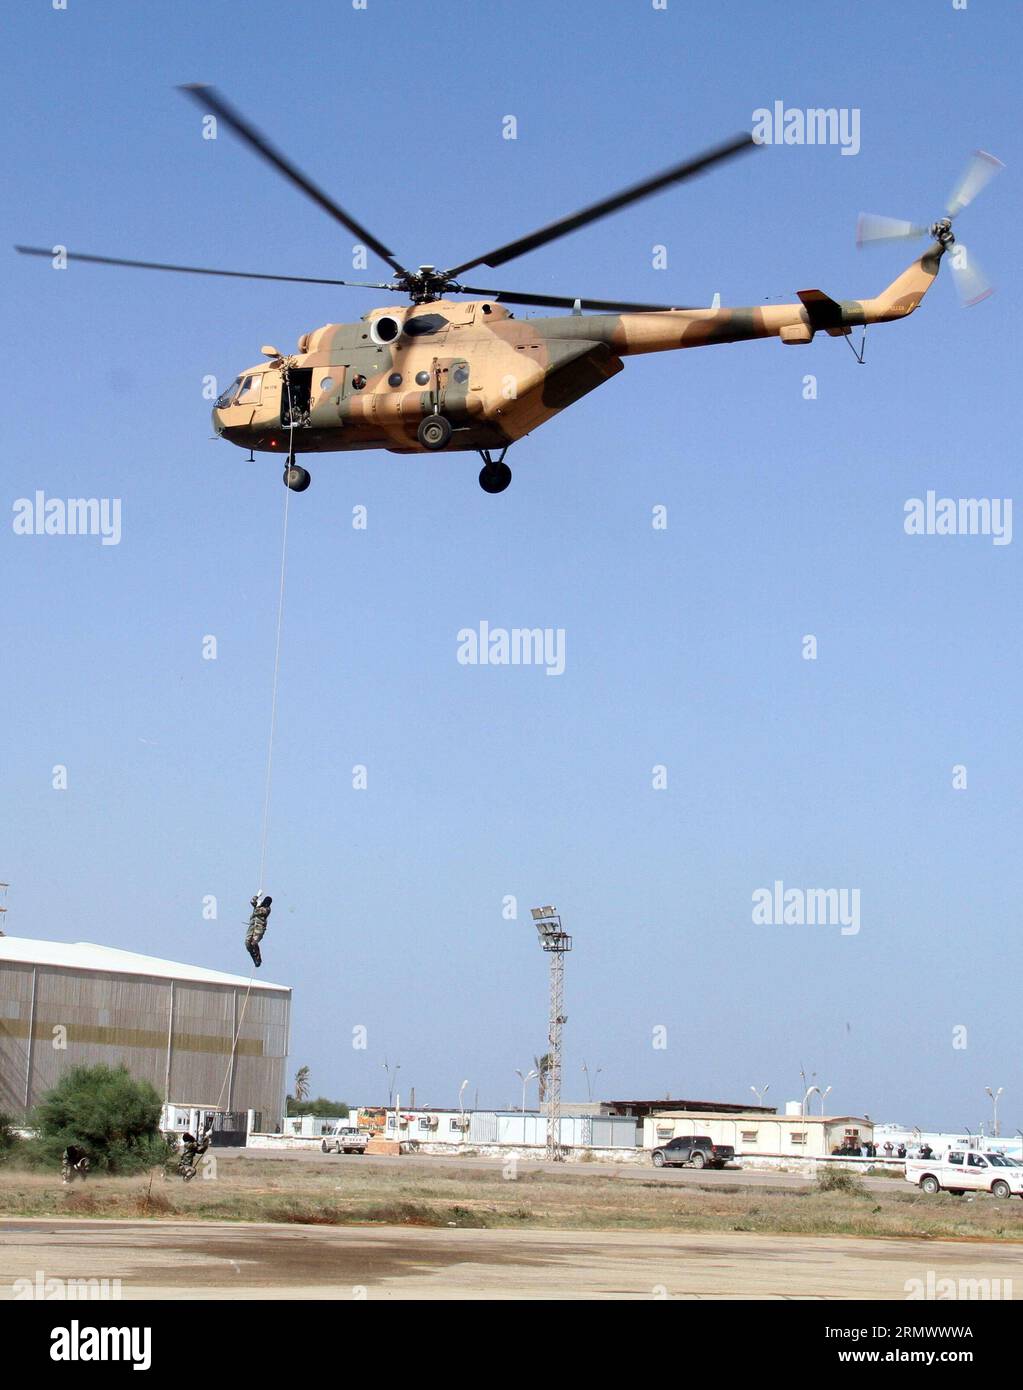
(353, 1193)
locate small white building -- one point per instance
(314, 1126)
(756, 1135)
(509, 1128)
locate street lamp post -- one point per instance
(392, 1076)
(586, 1073)
(525, 1078)
(824, 1095)
(994, 1102)
(760, 1094)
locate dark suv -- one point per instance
(697, 1151)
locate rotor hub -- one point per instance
(425, 285)
(942, 231)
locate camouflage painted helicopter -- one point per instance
(441, 373)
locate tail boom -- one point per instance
(630, 334)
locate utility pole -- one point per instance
(556, 942)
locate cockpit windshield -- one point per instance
(226, 397)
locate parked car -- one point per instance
(966, 1170)
(345, 1140)
(694, 1151)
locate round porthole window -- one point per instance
(461, 373)
(327, 384)
(394, 379)
(358, 382)
(422, 378)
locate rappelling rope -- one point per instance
(277, 645)
(273, 729)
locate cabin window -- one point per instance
(460, 373)
(327, 383)
(394, 379)
(358, 382)
(422, 378)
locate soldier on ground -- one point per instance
(192, 1150)
(74, 1163)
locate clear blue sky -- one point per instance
(683, 646)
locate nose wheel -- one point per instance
(495, 475)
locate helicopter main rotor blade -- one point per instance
(48, 252)
(559, 301)
(978, 173)
(209, 99)
(972, 285)
(633, 194)
(871, 226)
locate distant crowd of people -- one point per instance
(853, 1148)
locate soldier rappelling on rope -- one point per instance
(257, 928)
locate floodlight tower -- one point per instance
(555, 942)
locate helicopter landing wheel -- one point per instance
(434, 432)
(495, 477)
(298, 479)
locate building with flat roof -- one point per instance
(76, 1004)
(756, 1134)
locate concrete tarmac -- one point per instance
(220, 1260)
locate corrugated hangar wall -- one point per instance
(176, 1034)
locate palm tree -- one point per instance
(543, 1069)
(302, 1083)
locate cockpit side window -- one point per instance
(249, 391)
(244, 390)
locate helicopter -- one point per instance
(455, 374)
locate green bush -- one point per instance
(105, 1111)
(320, 1107)
(839, 1180)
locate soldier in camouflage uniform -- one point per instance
(192, 1150)
(257, 928)
(74, 1163)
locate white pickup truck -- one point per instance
(967, 1170)
(345, 1139)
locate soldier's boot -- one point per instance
(254, 952)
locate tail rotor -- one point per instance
(971, 284)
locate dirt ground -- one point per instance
(445, 1193)
(349, 1228)
(172, 1260)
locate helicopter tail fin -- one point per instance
(904, 293)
